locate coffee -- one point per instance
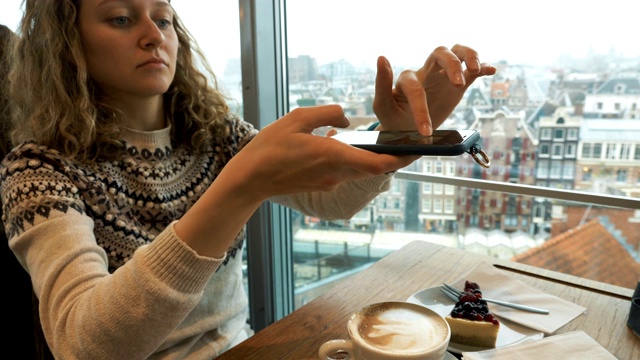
(400, 328)
(391, 331)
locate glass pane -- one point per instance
(222, 52)
(10, 13)
(588, 140)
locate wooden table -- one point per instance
(420, 265)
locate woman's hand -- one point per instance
(285, 157)
(423, 99)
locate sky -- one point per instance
(406, 31)
(535, 32)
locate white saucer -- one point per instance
(449, 356)
(510, 333)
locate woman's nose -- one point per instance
(151, 36)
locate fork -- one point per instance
(454, 294)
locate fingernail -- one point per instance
(457, 79)
(426, 129)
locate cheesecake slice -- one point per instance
(471, 322)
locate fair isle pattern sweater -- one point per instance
(113, 279)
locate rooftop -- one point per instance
(587, 251)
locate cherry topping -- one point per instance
(471, 285)
(470, 305)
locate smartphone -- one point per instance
(440, 143)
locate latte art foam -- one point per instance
(400, 329)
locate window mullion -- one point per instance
(269, 240)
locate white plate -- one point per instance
(510, 333)
(449, 356)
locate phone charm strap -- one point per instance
(479, 156)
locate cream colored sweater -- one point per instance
(113, 279)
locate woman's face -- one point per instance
(130, 46)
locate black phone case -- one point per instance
(425, 150)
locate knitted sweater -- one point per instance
(113, 279)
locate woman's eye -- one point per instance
(120, 20)
(163, 23)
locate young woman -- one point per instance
(127, 193)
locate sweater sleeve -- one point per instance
(340, 204)
(88, 312)
(83, 307)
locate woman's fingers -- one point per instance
(474, 68)
(410, 87)
(367, 162)
(310, 118)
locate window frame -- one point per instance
(264, 87)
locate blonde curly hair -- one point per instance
(6, 36)
(56, 103)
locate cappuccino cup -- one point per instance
(391, 331)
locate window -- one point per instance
(572, 134)
(558, 134)
(545, 133)
(570, 150)
(544, 150)
(556, 168)
(426, 204)
(568, 171)
(543, 169)
(438, 168)
(437, 205)
(557, 150)
(449, 189)
(597, 151)
(538, 211)
(450, 168)
(426, 188)
(621, 175)
(448, 206)
(586, 150)
(427, 166)
(625, 151)
(611, 151)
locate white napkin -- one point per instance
(498, 284)
(575, 345)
